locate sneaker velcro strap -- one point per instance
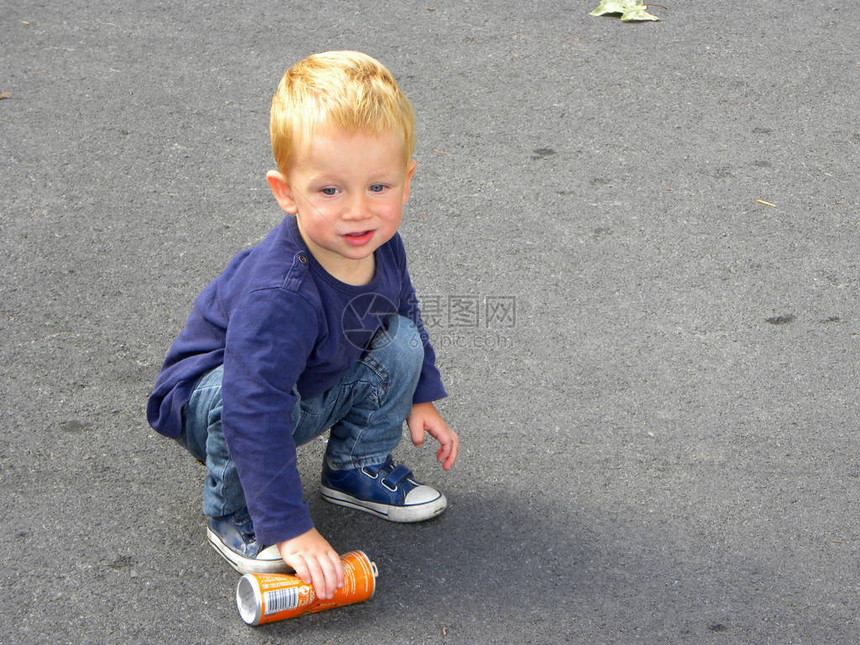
(397, 476)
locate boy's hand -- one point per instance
(424, 417)
(315, 562)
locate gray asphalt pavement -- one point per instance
(637, 250)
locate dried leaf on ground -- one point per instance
(630, 10)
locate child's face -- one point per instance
(348, 192)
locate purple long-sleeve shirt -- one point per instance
(280, 323)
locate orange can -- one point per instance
(265, 598)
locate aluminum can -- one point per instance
(265, 598)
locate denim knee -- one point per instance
(401, 349)
(200, 413)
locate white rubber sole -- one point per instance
(412, 513)
(269, 560)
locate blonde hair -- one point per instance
(342, 90)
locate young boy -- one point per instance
(315, 328)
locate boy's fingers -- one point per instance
(328, 578)
(443, 452)
(311, 573)
(416, 431)
(338, 569)
(314, 562)
(299, 566)
(448, 452)
(331, 576)
(317, 578)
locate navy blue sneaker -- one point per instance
(233, 537)
(385, 491)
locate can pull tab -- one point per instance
(374, 569)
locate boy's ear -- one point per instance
(282, 192)
(409, 173)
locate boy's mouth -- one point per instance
(358, 238)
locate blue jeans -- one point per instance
(365, 411)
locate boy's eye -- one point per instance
(377, 188)
(329, 191)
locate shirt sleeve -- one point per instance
(430, 386)
(271, 334)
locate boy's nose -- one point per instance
(357, 209)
